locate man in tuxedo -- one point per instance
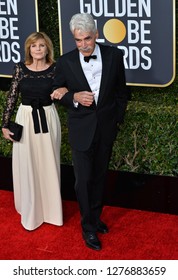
(96, 101)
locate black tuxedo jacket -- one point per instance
(112, 101)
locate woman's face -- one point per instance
(38, 49)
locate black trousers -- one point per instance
(90, 169)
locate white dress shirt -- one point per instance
(93, 71)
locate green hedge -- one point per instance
(148, 142)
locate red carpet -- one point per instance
(134, 235)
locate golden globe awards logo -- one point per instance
(143, 29)
(17, 21)
(135, 31)
(9, 45)
(114, 31)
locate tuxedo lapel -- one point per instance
(77, 71)
(106, 70)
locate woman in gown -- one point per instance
(36, 157)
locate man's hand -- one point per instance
(85, 98)
(59, 93)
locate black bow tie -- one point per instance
(87, 58)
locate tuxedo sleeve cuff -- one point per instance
(75, 104)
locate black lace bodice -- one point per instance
(30, 85)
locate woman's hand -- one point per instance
(7, 134)
(59, 93)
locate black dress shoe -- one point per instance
(91, 240)
(102, 228)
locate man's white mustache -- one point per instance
(85, 49)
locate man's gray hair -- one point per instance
(83, 22)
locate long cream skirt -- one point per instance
(36, 170)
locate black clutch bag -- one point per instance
(16, 129)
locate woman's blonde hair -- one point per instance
(31, 39)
